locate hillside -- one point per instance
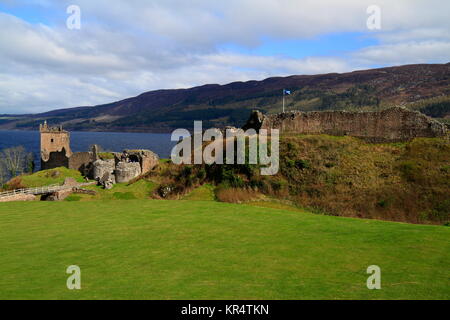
(421, 87)
(148, 249)
(342, 176)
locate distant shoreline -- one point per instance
(96, 131)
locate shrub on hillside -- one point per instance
(235, 195)
(15, 183)
(410, 170)
(439, 213)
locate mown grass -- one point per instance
(207, 250)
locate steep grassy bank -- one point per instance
(148, 249)
(344, 176)
(341, 176)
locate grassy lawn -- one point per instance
(151, 249)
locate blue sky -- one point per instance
(335, 44)
(126, 47)
(31, 13)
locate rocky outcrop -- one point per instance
(58, 195)
(391, 125)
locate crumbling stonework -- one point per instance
(54, 139)
(84, 191)
(391, 125)
(81, 161)
(146, 158)
(58, 195)
(126, 171)
(100, 167)
(55, 152)
(107, 180)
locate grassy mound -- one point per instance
(142, 189)
(208, 250)
(203, 193)
(45, 178)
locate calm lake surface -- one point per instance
(81, 141)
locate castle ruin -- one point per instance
(391, 125)
(55, 146)
(122, 167)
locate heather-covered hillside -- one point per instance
(421, 87)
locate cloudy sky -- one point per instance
(126, 47)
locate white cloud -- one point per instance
(410, 52)
(126, 47)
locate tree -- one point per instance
(29, 162)
(3, 171)
(15, 161)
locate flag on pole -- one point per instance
(285, 92)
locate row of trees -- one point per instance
(14, 162)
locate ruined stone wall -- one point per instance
(57, 196)
(148, 160)
(55, 147)
(101, 167)
(54, 141)
(390, 125)
(81, 161)
(56, 152)
(126, 171)
(55, 160)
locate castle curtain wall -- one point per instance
(81, 161)
(391, 125)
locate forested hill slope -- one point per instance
(421, 87)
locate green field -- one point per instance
(150, 249)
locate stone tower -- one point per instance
(55, 144)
